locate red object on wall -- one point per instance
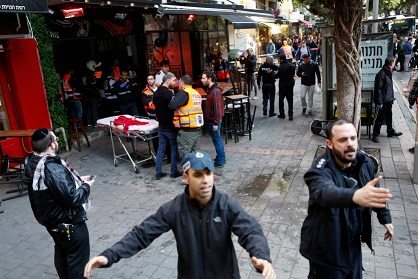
(26, 101)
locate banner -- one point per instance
(23, 6)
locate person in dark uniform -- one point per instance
(267, 75)
(383, 99)
(286, 75)
(342, 191)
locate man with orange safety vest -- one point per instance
(148, 95)
(188, 116)
(72, 96)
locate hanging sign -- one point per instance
(23, 6)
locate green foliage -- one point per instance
(51, 78)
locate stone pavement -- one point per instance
(264, 174)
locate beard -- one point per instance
(342, 157)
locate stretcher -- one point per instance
(145, 132)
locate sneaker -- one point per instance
(218, 165)
(271, 115)
(254, 98)
(394, 134)
(282, 116)
(175, 175)
(310, 113)
(375, 139)
(303, 110)
(158, 176)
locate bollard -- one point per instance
(415, 178)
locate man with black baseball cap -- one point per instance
(57, 194)
(204, 251)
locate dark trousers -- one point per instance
(90, 110)
(269, 95)
(71, 255)
(385, 113)
(286, 93)
(167, 138)
(317, 271)
(401, 60)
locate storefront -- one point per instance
(23, 102)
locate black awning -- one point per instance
(240, 21)
(24, 6)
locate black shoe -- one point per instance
(271, 115)
(158, 176)
(265, 112)
(217, 165)
(290, 117)
(303, 110)
(412, 150)
(175, 175)
(282, 116)
(394, 134)
(375, 139)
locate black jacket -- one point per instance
(383, 87)
(162, 98)
(126, 91)
(327, 235)
(61, 202)
(203, 236)
(267, 73)
(286, 75)
(307, 73)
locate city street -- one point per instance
(264, 174)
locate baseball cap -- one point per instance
(198, 160)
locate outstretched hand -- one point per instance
(94, 263)
(370, 196)
(265, 267)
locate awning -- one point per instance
(241, 22)
(307, 23)
(24, 6)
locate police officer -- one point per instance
(267, 75)
(286, 75)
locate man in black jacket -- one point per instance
(57, 194)
(126, 92)
(286, 75)
(203, 251)
(383, 99)
(307, 71)
(267, 74)
(167, 133)
(342, 191)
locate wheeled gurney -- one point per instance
(134, 128)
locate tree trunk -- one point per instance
(347, 35)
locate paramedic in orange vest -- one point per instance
(148, 95)
(188, 116)
(72, 96)
(147, 101)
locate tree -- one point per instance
(386, 6)
(346, 16)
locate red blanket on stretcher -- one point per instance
(126, 122)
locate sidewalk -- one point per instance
(264, 174)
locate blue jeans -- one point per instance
(218, 143)
(165, 138)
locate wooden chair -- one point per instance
(76, 125)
